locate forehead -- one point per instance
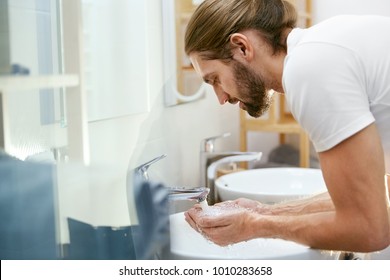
(205, 67)
(200, 64)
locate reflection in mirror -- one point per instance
(31, 106)
(182, 84)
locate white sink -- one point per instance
(270, 185)
(186, 243)
(380, 255)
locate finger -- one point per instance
(217, 235)
(190, 221)
(197, 206)
(195, 213)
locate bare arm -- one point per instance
(356, 220)
(354, 174)
(314, 204)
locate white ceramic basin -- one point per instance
(270, 185)
(380, 255)
(186, 243)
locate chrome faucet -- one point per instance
(142, 170)
(175, 193)
(211, 170)
(198, 194)
(210, 158)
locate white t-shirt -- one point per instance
(336, 79)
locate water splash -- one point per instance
(219, 209)
(204, 205)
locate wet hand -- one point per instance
(224, 223)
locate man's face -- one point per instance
(234, 82)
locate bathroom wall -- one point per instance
(323, 9)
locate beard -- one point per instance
(254, 97)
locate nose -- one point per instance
(222, 96)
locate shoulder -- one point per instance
(322, 64)
(325, 87)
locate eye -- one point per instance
(212, 81)
(209, 81)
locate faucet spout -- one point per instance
(142, 170)
(198, 194)
(210, 160)
(207, 144)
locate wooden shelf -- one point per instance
(285, 126)
(185, 81)
(304, 15)
(187, 68)
(185, 16)
(282, 126)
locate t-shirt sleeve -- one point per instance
(326, 91)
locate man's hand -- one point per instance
(224, 223)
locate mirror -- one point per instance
(115, 58)
(182, 83)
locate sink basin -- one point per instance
(380, 255)
(186, 243)
(271, 185)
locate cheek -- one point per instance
(229, 86)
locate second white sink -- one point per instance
(270, 185)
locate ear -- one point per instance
(241, 46)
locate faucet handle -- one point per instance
(143, 168)
(208, 143)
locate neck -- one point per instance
(274, 71)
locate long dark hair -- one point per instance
(209, 29)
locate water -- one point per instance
(219, 209)
(204, 205)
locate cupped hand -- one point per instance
(224, 223)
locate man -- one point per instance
(336, 80)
